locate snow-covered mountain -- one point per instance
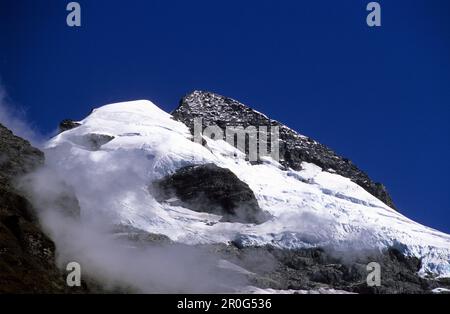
(113, 157)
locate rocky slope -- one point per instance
(314, 269)
(27, 255)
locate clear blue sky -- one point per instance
(380, 97)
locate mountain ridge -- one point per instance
(295, 148)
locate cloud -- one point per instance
(116, 262)
(121, 265)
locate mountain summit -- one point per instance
(295, 148)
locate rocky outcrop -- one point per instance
(294, 148)
(67, 124)
(209, 188)
(92, 141)
(140, 237)
(315, 268)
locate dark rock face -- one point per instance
(67, 124)
(294, 148)
(17, 156)
(398, 275)
(26, 253)
(306, 269)
(209, 188)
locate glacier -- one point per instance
(312, 207)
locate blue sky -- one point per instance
(379, 96)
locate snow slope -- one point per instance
(310, 207)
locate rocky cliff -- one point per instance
(27, 255)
